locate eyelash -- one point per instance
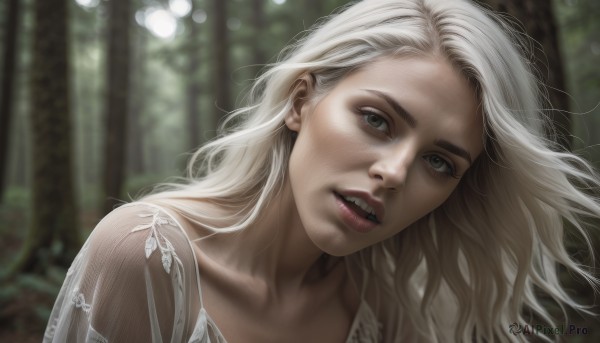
(451, 169)
(366, 113)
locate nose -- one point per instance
(391, 169)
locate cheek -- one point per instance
(420, 196)
(327, 143)
(430, 194)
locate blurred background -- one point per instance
(101, 98)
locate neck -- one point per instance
(274, 249)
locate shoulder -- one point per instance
(134, 280)
(139, 234)
(128, 218)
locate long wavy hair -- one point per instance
(475, 264)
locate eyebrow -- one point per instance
(407, 117)
(456, 150)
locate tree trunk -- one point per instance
(136, 161)
(537, 17)
(117, 95)
(20, 151)
(193, 85)
(221, 59)
(6, 97)
(53, 237)
(258, 21)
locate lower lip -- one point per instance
(352, 219)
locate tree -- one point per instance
(136, 161)
(579, 30)
(193, 83)
(53, 237)
(538, 19)
(117, 96)
(222, 71)
(6, 97)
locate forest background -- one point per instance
(100, 99)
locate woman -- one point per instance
(388, 182)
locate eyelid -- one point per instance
(448, 161)
(373, 110)
(369, 110)
(453, 165)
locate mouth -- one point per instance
(360, 207)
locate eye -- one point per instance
(375, 120)
(440, 165)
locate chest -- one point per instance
(243, 312)
(240, 324)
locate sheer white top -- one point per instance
(136, 279)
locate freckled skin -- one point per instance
(339, 147)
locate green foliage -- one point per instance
(16, 199)
(14, 221)
(27, 300)
(8, 292)
(45, 285)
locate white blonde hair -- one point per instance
(482, 256)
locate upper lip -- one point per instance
(375, 203)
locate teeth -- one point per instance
(362, 204)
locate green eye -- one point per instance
(436, 162)
(440, 165)
(375, 121)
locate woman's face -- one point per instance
(386, 146)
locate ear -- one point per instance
(300, 94)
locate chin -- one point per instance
(336, 246)
(337, 252)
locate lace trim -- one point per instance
(51, 329)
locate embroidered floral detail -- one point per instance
(200, 334)
(157, 240)
(156, 220)
(79, 301)
(171, 263)
(366, 328)
(94, 337)
(366, 334)
(150, 245)
(167, 260)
